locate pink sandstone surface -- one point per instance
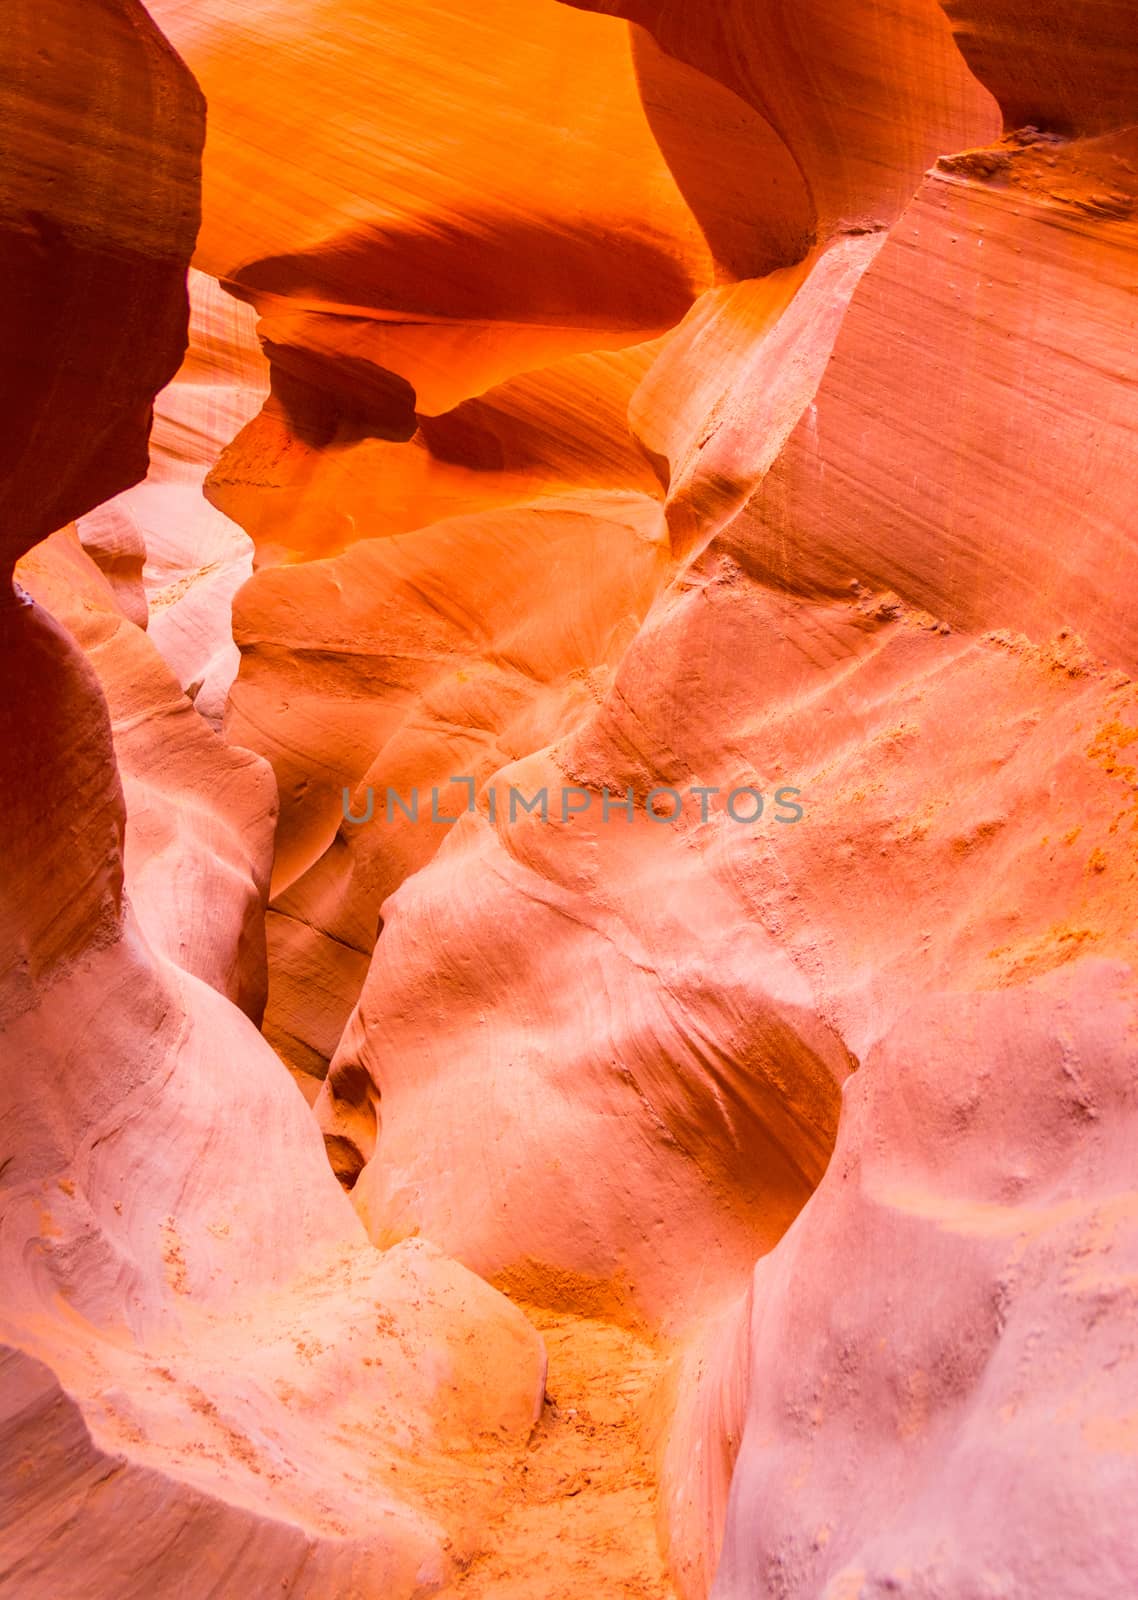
(601, 399)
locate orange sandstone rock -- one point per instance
(204, 1363)
(101, 136)
(1067, 66)
(555, 197)
(198, 843)
(190, 559)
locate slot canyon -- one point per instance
(569, 771)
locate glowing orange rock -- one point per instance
(189, 559)
(401, 665)
(556, 199)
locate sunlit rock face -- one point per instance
(714, 424)
(427, 303)
(184, 559)
(198, 840)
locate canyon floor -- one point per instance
(579, 1516)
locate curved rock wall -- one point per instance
(211, 1383)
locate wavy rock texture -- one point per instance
(556, 198)
(659, 397)
(98, 204)
(470, 642)
(977, 1438)
(1066, 66)
(185, 559)
(211, 1383)
(198, 844)
(321, 468)
(891, 460)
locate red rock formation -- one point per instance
(98, 204)
(861, 97)
(195, 558)
(189, 1303)
(973, 1437)
(198, 843)
(570, 228)
(1066, 66)
(665, 399)
(397, 666)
